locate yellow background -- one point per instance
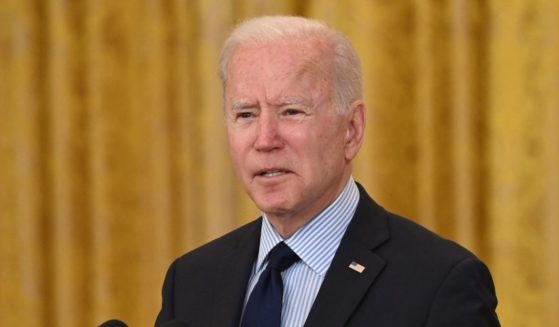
(113, 158)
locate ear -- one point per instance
(355, 129)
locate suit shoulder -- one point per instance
(408, 236)
(400, 237)
(210, 251)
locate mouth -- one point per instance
(271, 172)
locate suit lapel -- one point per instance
(343, 288)
(232, 278)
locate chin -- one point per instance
(272, 206)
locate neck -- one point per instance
(286, 226)
(287, 223)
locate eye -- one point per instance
(244, 115)
(291, 112)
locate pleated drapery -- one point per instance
(113, 156)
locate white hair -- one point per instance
(348, 82)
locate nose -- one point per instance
(268, 137)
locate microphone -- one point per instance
(175, 323)
(113, 323)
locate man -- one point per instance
(295, 120)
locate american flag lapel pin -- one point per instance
(357, 267)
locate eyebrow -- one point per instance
(242, 105)
(290, 101)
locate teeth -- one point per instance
(273, 173)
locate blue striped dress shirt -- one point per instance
(315, 243)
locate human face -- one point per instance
(288, 143)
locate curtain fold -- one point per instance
(114, 160)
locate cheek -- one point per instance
(237, 148)
(331, 152)
(318, 150)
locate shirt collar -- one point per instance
(317, 241)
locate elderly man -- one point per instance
(323, 253)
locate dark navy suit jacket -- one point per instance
(412, 277)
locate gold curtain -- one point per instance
(113, 156)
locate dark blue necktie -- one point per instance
(263, 308)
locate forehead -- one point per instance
(302, 54)
(279, 64)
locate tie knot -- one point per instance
(282, 257)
